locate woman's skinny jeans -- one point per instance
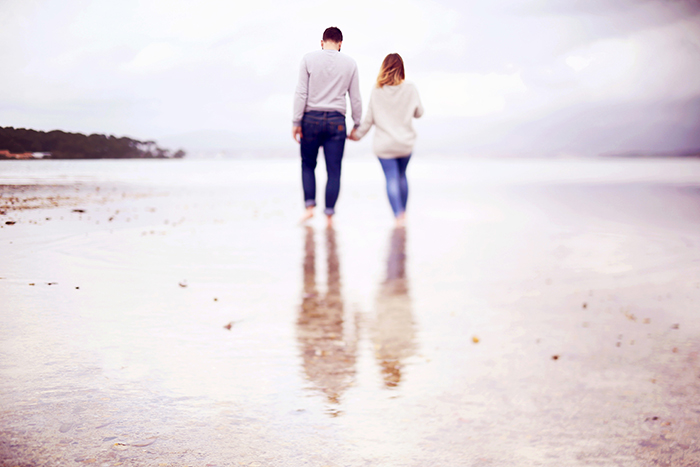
(396, 182)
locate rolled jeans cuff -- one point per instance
(310, 202)
(329, 211)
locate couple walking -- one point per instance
(325, 77)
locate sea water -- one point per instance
(174, 311)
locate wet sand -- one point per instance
(532, 313)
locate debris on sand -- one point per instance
(231, 323)
(66, 427)
(78, 210)
(475, 340)
(182, 284)
(555, 357)
(144, 443)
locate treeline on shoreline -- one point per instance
(22, 143)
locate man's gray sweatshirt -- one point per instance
(324, 78)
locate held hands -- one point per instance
(296, 134)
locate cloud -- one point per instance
(468, 94)
(609, 66)
(606, 18)
(155, 57)
(577, 62)
(654, 64)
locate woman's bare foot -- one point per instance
(329, 221)
(308, 214)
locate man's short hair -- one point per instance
(333, 34)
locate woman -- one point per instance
(392, 106)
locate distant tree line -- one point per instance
(63, 145)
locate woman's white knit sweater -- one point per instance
(391, 110)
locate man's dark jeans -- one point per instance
(325, 129)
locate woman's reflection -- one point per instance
(328, 351)
(393, 332)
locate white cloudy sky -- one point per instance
(496, 77)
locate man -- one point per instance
(325, 76)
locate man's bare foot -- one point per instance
(329, 221)
(308, 214)
(400, 220)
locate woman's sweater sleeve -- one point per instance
(368, 121)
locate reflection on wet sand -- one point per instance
(393, 331)
(328, 349)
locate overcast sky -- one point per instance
(511, 77)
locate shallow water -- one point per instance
(184, 318)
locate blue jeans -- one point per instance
(396, 182)
(325, 129)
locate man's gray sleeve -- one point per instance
(355, 98)
(301, 94)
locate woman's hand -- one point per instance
(353, 135)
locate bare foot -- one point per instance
(400, 220)
(329, 221)
(308, 214)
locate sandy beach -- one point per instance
(532, 313)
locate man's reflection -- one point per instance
(393, 332)
(328, 350)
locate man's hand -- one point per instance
(296, 134)
(353, 135)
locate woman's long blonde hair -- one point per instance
(391, 73)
